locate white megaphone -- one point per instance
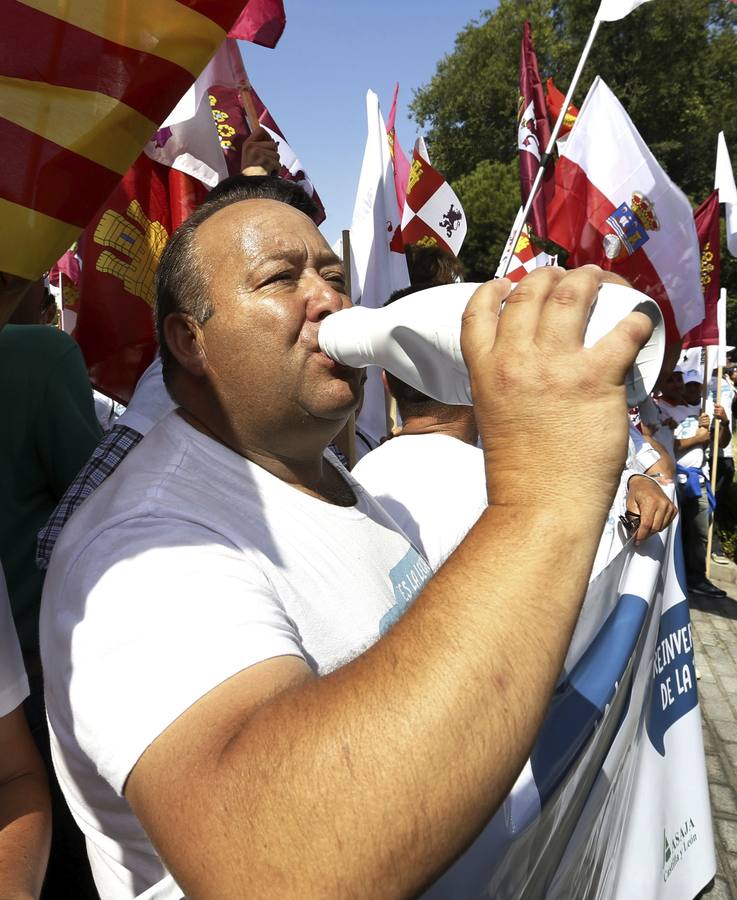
(418, 338)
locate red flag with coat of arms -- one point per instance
(615, 206)
(120, 252)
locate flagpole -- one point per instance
(547, 155)
(714, 465)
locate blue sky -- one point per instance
(315, 80)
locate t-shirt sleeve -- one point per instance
(166, 620)
(13, 680)
(68, 430)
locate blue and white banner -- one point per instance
(613, 802)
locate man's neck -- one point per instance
(461, 427)
(308, 472)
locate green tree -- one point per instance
(671, 63)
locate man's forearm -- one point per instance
(698, 440)
(432, 724)
(25, 834)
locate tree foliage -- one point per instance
(671, 63)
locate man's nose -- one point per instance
(324, 298)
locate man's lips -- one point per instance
(330, 364)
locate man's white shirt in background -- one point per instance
(432, 485)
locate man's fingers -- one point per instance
(619, 348)
(565, 313)
(519, 320)
(647, 515)
(480, 319)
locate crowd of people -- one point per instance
(210, 641)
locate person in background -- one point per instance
(49, 430)
(725, 464)
(36, 305)
(691, 440)
(430, 264)
(429, 476)
(25, 805)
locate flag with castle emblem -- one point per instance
(615, 206)
(433, 214)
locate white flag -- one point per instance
(377, 270)
(724, 183)
(612, 10)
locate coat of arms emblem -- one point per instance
(629, 226)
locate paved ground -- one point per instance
(715, 645)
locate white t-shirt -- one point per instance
(188, 565)
(641, 454)
(150, 401)
(107, 410)
(432, 485)
(13, 680)
(688, 424)
(652, 416)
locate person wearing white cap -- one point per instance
(691, 441)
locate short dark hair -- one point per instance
(430, 264)
(180, 280)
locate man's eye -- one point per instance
(277, 277)
(337, 278)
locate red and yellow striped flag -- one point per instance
(83, 85)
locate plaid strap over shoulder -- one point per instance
(105, 459)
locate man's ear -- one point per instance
(185, 340)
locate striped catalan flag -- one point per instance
(83, 86)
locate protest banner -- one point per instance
(602, 810)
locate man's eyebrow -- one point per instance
(328, 259)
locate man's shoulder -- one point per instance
(41, 341)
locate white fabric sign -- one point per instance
(603, 809)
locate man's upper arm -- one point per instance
(173, 786)
(169, 613)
